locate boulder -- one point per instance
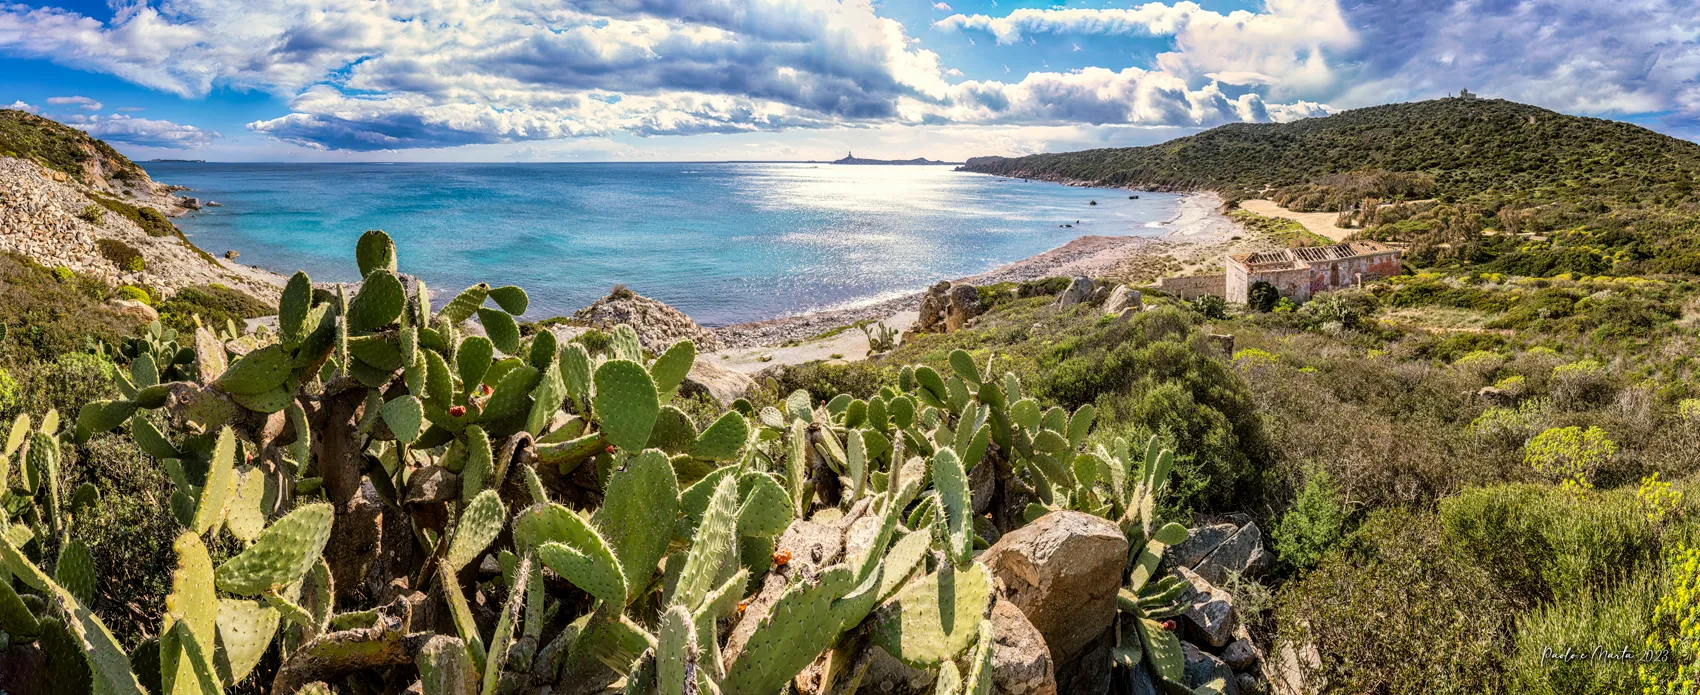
(1248, 684)
(1209, 610)
(1202, 668)
(432, 484)
(1122, 298)
(1063, 572)
(1223, 343)
(1240, 654)
(658, 325)
(1198, 544)
(963, 304)
(1021, 662)
(1242, 553)
(133, 309)
(932, 311)
(232, 254)
(1079, 290)
(1290, 676)
(724, 384)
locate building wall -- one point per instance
(1190, 288)
(1293, 284)
(1237, 287)
(1333, 275)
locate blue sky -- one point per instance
(586, 80)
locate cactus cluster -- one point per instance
(417, 496)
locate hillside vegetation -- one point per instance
(1493, 183)
(61, 147)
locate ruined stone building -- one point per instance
(1301, 272)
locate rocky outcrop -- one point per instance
(1079, 290)
(1121, 299)
(53, 220)
(658, 325)
(1063, 572)
(1241, 553)
(723, 384)
(1209, 610)
(947, 307)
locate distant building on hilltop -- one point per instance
(1298, 273)
(1465, 94)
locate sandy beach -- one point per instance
(1199, 235)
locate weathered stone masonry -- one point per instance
(1301, 272)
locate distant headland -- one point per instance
(851, 158)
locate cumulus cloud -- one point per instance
(21, 106)
(358, 75)
(144, 132)
(83, 103)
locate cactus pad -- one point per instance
(378, 303)
(293, 307)
(935, 618)
(511, 299)
(472, 360)
(221, 479)
(766, 509)
(637, 514)
(444, 668)
(675, 653)
(597, 573)
(1162, 649)
(102, 416)
(374, 251)
(15, 617)
(626, 403)
(724, 439)
(76, 571)
(245, 631)
(405, 416)
(791, 635)
(282, 554)
(951, 481)
(479, 524)
(480, 462)
(672, 366)
(465, 304)
(674, 432)
(575, 373)
(503, 332)
(710, 546)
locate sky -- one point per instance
(629, 80)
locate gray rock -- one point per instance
(1198, 544)
(134, 309)
(1063, 572)
(1248, 684)
(1289, 676)
(1240, 654)
(1242, 553)
(963, 305)
(1021, 663)
(432, 484)
(1209, 610)
(1122, 298)
(1203, 668)
(1139, 680)
(658, 325)
(722, 383)
(1079, 290)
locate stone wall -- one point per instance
(1195, 286)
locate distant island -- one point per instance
(179, 161)
(851, 158)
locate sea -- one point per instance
(723, 242)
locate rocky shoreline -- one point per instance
(1199, 234)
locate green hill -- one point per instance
(62, 148)
(1554, 193)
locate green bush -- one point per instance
(8, 392)
(92, 214)
(1543, 544)
(130, 532)
(1610, 619)
(135, 293)
(1396, 610)
(1676, 628)
(44, 316)
(1212, 306)
(1313, 525)
(214, 304)
(123, 255)
(823, 380)
(1262, 296)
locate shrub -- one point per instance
(1580, 385)
(1658, 498)
(824, 380)
(1676, 629)
(8, 392)
(123, 255)
(45, 315)
(1543, 544)
(1212, 306)
(1612, 620)
(92, 214)
(215, 304)
(1395, 610)
(135, 293)
(1570, 454)
(1261, 297)
(1312, 525)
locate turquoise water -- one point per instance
(724, 242)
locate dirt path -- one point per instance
(848, 345)
(1320, 223)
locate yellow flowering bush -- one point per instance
(1676, 633)
(1569, 454)
(1658, 498)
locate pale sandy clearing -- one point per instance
(1320, 223)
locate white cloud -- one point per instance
(145, 132)
(942, 7)
(21, 106)
(83, 103)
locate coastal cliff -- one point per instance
(70, 201)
